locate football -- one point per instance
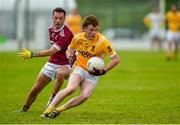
(95, 62)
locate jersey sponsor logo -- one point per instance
(86, 54)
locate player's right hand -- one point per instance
(25, 54)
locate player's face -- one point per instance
(90, 31)
(173, 8)
(58, 19)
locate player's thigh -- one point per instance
(87, 88)
(63, 70)
(74, 81)
(41, 81)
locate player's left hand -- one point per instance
(97, 72)
(25, 54)
(72, 59)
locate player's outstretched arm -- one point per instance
(27, 54)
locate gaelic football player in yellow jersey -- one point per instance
(173, 35)
(73, 21)
(88, 44)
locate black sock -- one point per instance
(25, 108)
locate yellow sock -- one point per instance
(49, 109)
(61, 108)
(168, 54)
(174, 55)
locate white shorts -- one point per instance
(173, 36)
(50, 69)
(85, 75)
(157, 33)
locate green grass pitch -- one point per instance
(143, 88)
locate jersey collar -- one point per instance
(58, 29)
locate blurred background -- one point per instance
(24, 23)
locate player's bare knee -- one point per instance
(84, 96)
(70, 90)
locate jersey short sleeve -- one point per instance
(107, 48)
(73, 42)
(65, 39)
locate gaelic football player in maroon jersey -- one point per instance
(57, 68)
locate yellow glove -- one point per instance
(25, 54)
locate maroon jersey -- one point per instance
(60, 39)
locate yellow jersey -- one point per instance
(86, 49)
(74, 23)
(173, 21)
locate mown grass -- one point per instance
(143, 88)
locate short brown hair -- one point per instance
(90, 20)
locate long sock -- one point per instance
(50, 99)
(49, 109)
(61, 108)
(25, 108)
